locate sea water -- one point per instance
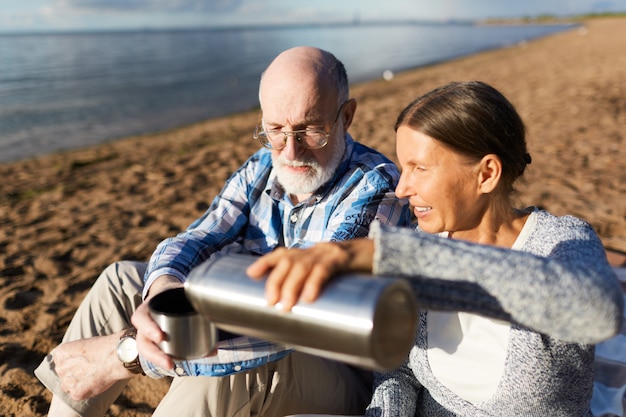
(67, 90)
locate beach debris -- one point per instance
(388, 75)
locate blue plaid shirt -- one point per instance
(253, 215)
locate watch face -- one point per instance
(127, 350)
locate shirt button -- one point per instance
(294, 218)
(179, 371)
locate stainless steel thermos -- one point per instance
(358, 319)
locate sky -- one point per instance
(51, 15)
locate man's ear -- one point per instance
(490, 173)
(349, 108)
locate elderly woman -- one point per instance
(511, 300)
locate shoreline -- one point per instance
(67, 215)
(568, 26)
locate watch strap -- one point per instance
(134, 366)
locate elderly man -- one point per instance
(311, 182)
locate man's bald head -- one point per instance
(306, 68)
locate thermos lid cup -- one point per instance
(189, 335)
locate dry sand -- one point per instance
(65, 217)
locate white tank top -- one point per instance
(467, 352)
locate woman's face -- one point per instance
(440, 184)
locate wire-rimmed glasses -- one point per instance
(309, 138)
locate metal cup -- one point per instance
(358, 319)
(189, 335)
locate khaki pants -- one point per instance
(296, 384)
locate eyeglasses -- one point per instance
(309, 138)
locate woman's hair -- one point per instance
(473, 119)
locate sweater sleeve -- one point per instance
(560, 283)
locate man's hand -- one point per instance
(149, 335)
(89, 367)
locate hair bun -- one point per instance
(527, 158)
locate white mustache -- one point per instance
(297, 163)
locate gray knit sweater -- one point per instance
(559, 293)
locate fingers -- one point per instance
(149, 335)
(76, 390)
(318, 277)
(88, 367)
(298, 274)
(284, 284)
(260, 267)
(294, 274)
(153, 353)
(144, 324)
(277, 265)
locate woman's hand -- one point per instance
(301, 273)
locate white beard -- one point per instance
(317, 175)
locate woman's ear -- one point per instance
(490, 173)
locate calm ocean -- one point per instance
(63, 91)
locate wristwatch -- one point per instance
(127, 351)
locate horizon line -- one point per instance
(544, 19)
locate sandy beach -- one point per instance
(64, 217)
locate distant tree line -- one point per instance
(550, 18)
